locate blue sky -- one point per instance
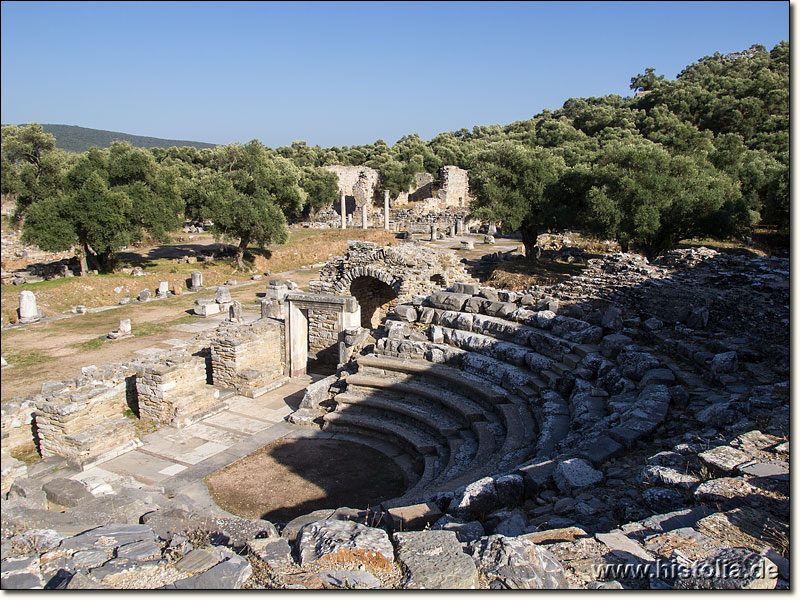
(338, 74)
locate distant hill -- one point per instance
(79, 139)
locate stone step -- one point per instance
(430, 471)
(468, 410)
(537, 384)
(571, 360)
(560, 368)
(515, 429)
(484, 457)
(584, 349)
(420, 442)
(551, 377)
(474, 389)
(428, 417)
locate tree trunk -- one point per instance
(240, 252)
(83, 263)
(529, 235)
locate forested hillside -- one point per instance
(706, 154)
(79, 139)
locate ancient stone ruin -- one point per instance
(548, 437)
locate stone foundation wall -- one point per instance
(86, 425)
(454, 190)
(16, 418)
(174, 390)
(248, 357)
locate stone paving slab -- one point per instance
(142, 467)
(272, 411)
(237, 422)
(210, 433)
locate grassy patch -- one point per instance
(90, 345)
(26, 453)
(26, 358)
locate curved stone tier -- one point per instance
(473, 383)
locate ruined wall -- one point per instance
(174, 391)
(454, 187)
(421, 189)
(86, 425)
(16, 418)
(407, 269)
(348, 177)
(248, 357)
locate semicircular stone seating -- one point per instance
(473, 382)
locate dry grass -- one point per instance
(522, 274)
(309, 246)
(305, 247)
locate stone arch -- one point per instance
(375, 290)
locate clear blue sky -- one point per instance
(345, 73)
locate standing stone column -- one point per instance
(343, 209)
(197, 280)
(386, 210)
(433, 233)
(363, 216)
(452, 231)
(460, 227)
(28, 311)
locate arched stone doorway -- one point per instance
(375, 297)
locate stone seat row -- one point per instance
(462, 427)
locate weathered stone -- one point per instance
(723, 460)
(575, 474)
(666, 476)
(28, 311)
(66, 492)
(726, 362)
(29, 492)
(731, 569)
(479, 497)
(663, 499)
(109, 536)
(433, 560)
(612, 318)
(465, 532)
(517, 563)
(275, 552)
(198, 561)
(406, 313)
(223, 295)
(351, 580)
(343, 541)
(230, 574)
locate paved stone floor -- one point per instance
(177, 460)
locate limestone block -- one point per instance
(434, 560)
(28, 311)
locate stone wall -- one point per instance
(16, 418)
(454, 188)
(86, 425)
(421, 189)
(348, 177)
(408, 269)
(174, 392)
(323, 334)
(248, 358)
